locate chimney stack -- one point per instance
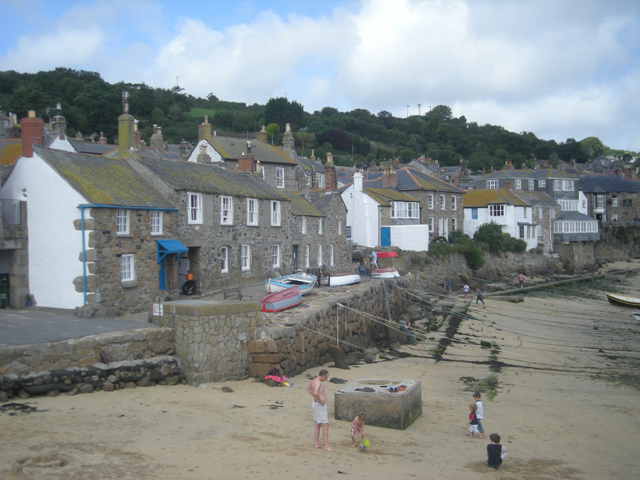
(32, 132)
(456, 178)
(357, 181)
(389, 177)
(137, 134)
(156, 140)
(287, 141)
(262, 135)
(330, 181)
(508, 165)
(102, 140)
(204, 130)
(59, 125)
(245, 161)
(184, 149)
(126, 129)
(203, 157)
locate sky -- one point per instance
(558, 68)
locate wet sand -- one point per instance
(557, 408)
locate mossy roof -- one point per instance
(300, 205)
(384, 196)
(537, 199)
(482, 198)
(231, 148)
(216, 180)
(103, 181)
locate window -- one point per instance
(431, 224)
(226, 211)
(557, 185)
(539, 230)
(542, 183)
(320, 180)
(404, 210)
(525, 212)
(430, 201)
(331, 261)
(474, 213)
(307, 248)
(518, 184)
(279, 177)
(584, 203)
(531, 185)
(304, 225)
(443, 205)
(496, 210)
(126, 268)
(614, 201)
(348, 231)
(567, 185)
(224, 259)
(122, 222)
(194, 208)
(493, 184)
(627, 203)
(339, 227)
(156, 222)
(614, 217)
(275, 256)
(319, 226)
(252, 211)
(521, 231)
(319, 255)
(453, 224)
(552, 213)
(275, 213)
(245, 257)
(454, 203)
(599, 201)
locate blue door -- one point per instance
(385, 236)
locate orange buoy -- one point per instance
(189, 276)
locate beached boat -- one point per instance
(340, 279)
(275, 302)
(636, 315)
(301, 280)
(386, 272)
(387, 254)
(623, 301)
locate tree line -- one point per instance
(91, 105)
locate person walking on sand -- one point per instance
(319, 407)
(473, 421)
(465, 290)
(521, 280)
(479, 414)
(480, 298)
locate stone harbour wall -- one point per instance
(303, 341)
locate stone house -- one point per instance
(610, 198)
(544, 212)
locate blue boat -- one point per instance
(303, 281)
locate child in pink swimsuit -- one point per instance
(357, 428)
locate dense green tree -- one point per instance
(282, 111)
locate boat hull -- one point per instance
(301, 280)
(387, 254)
(340, 279)
(636, 315)
(623, 301)
(278, 301)
(387, 272)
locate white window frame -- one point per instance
(539, 230)
(542, 183)
(614, 217)
(127, 267)
(252, 212)
(432, 222)
(614, 201)
(320, 226)
(453, 224)
(331, 258)
(276, 217)
(319, 259)
(245, 257)
(552, 212)
(567, 185)
(304, 225)
(454, 202)
(557, 185)
(275, 256)
(320, 180)
(155, 221)
(599, 201)
(496, 210)
(307, 254)
(224, 260)
(339, 227)
(430, 201)
(518, 184)
(531, 185)
(404, 210)
(280, 177)
(493, 184)
(226, 210)
(194, 208)
(123, 221)
(443, 202)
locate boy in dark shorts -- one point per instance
(495, 453)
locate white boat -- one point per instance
(301, 280)
(386, 272)
(623, 301)
(636, 315)
(340, 279)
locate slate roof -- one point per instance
(526, 174)
(309, 165)
(103, 181)
(411, 179)
(482, 198)
(196, 177)
(573, 215)
(384, 196)
(89, 147)
(231, 148)
(607, 184)
(533, 198)
(300, 205)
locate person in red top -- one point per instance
(473, 420)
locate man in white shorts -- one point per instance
(319, 407)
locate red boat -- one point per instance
(275, 302)
(387, 254)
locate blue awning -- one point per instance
(167, 247)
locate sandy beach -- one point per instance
(566, 406)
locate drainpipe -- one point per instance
(84, 250)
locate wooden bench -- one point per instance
(236, 294)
